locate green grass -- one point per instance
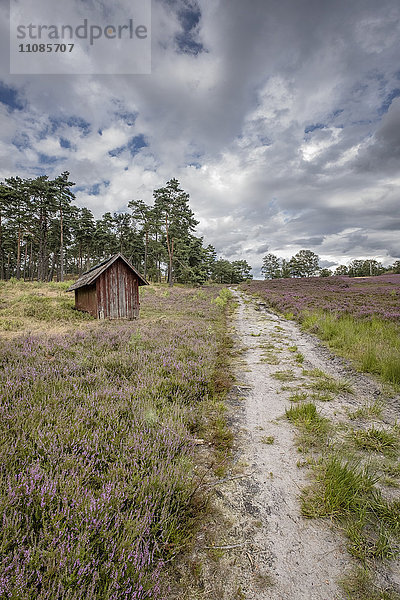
(371, 546)
(25, 304)
(298, 397)
(322, 396)
(376, 440)
(333, 386)
(346, 492)
(359, 585)
(287, 375)
(391, 468)
(302, 413)
(313, 427)
(268, 439)
(342, 488)
(269, 346)
(314, 373)
(298, 356)
(374, 345)
(326, 383)
(370, 409)
(269, 358)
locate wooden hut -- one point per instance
(109, 290)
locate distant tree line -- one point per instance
(364, 268)
(44, 236)
(303, 264)
(306, 264)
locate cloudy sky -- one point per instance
(280, 118)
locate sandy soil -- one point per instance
(263, 547)
(296, 558)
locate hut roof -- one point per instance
(90, 276)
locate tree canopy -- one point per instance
(302, 264)
(43, 235)
(306, 264)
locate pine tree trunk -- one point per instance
(42, 263)
(171, 276)
(61, 245)
(31, 262)
(1, 251)
(18, 274)
(25, 260)
(170, 248)
(52, 268)
(145, 253)
(80, 259)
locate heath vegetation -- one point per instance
(99, 423)
(357, 317)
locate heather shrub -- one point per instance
(96, 449)
(358, 318)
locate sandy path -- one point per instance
(291, 557)
(266, 548)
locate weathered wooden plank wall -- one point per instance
(118, 293)
(86, 299)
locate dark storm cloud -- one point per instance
(263, 249)
(326, 264)
(382, 155)
(314, 241)
(281, 119)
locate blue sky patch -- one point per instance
(73, 121)
(129, 118)
(65, 143)
(45, 159)
(311, 128)
(388, 101)
(9, 97)
(189, 18)
(94, 190)
(21, 141)
(134, 145)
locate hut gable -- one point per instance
(110, 290)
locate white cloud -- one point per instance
(230, 123)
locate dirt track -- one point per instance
(292, 557)
(267, 549)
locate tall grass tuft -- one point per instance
(313, 427)
(347, 492)
(343, 488)
(359, 585)
(373, 344)
(376, 440)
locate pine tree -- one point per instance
(64, 198)
(171, 204)
(271, 268)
